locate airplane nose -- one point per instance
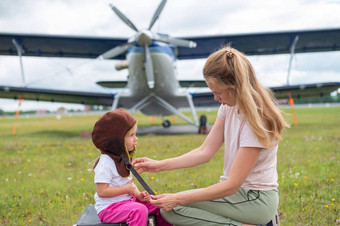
(144, 38)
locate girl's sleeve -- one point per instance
(103, 172)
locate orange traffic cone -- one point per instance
(291, 103)
(17, 116)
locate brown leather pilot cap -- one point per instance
(114, 124)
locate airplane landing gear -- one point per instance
(203, 125)
(166, 123)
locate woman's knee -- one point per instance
(168, 216)
(165, 214)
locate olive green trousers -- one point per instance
(245, 206)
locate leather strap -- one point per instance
(136, 174)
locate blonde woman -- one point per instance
(250, 126)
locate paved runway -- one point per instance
(172, 130)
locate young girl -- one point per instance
(118, 198)
(250, 126)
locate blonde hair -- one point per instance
(230, 68)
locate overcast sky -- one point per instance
(179, 18)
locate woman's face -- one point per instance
(131, 139)
(222, 93)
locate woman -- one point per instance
(250, 126)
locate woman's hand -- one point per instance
(165, 201)
(146, 165)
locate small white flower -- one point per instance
(69, 178)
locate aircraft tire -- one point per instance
(203, 125)
(166, 123)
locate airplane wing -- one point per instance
(90, 98)
(281, 92)
(265, 43)
(251, 44)
(307, 90)
(204, 99)
(199, 98)
(58, 45)
(192, 83)
(50, 95)
(112, 84)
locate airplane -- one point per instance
(150, 58)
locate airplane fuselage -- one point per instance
(166, 96)
(164, 68)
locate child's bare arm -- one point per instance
(104, 191)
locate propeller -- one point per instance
(149, 68)
(145, 38)
(177, 42)
(124, 18)
(157, 13)
(116, 51)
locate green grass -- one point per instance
(45, 178)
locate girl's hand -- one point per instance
(131, 188)
(165, 201)
(145, 165)
(143, 196)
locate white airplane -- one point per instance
(150, 58)
(152, 86)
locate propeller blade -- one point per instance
(116, 51)
(123, 18)
(149, 68)
(157, 13)
(177, 42)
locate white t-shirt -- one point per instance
(106, 172)
(237, 134)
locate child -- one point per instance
(118, 198)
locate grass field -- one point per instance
(45, 178)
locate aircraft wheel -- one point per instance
(166, 124)
(203, 125)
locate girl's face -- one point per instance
(131, 139)
(223, 94)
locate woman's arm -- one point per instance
(241, 167)
(195, 157)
